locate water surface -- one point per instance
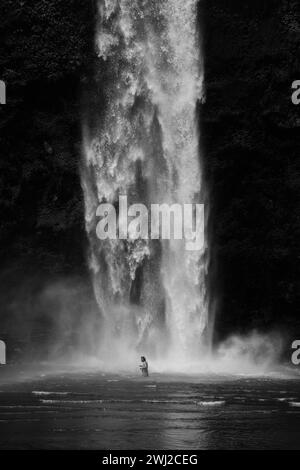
(93, 410)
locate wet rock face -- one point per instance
(44, 59)
(250, 128)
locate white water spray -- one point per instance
(152, 294)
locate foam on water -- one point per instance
(211, 403)
(38, 393)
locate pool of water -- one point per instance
(93, 410)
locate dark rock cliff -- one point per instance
(251, 145)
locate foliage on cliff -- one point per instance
(45, 56)
(252, 144)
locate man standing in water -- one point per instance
(144, 367)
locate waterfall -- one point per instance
(144, 143)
